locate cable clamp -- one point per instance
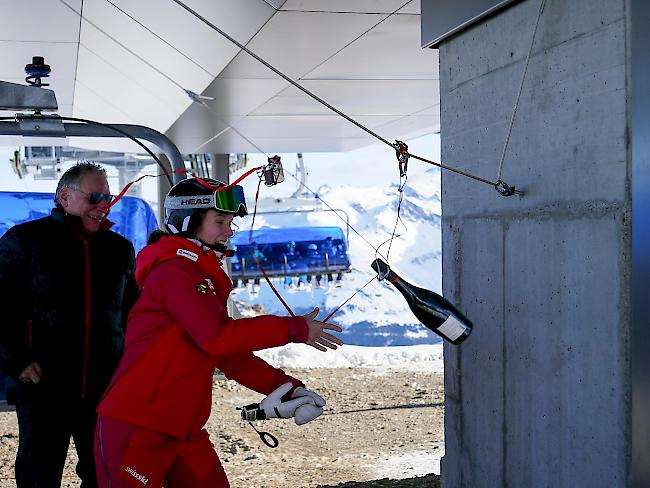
(402, 153)
(272, 172)
(506, 190)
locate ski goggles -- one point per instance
(230, 200)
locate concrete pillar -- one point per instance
(541, 394)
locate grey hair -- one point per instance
(71, 178)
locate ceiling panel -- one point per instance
(197, 125)
(327, 126)
(433, 110)
(140, 41)
(355, 97)
(139, 101)
(350, 144)
(278, 145)
(413, 7)
(89, 104)
(391, 50)
(240, 19)
(45, 21)
(297, 42)
(241, 96)
(228, 142)
(409, 127)
(360, 6)
(275, 3)
(231, 142)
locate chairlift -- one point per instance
(133, 217)
(290, 252)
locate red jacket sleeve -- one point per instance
(202, 314)
(254, 373)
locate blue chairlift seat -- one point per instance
(133, 217)
(290, 251)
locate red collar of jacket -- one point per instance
(173, 247)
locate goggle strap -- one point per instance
(203, 182)
(222, 188)
(200, 201)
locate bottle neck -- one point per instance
(398, 283)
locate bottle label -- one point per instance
(452, 328)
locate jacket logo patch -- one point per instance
(188, 254)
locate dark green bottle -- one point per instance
(436, 313)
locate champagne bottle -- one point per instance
(436, 313)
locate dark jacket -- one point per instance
(66, 296)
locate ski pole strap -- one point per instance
(253, 412)
(269, 439)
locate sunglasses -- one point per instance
(96, 197)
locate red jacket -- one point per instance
(178, 332)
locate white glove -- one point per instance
(308, 411)
(273, 407)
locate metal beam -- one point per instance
(23, 97)
(98, 130)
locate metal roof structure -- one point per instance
(130, 62)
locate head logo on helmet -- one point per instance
(190, 198)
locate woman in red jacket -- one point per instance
(150, 426)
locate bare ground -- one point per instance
(380, 429)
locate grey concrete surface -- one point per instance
(539, 395)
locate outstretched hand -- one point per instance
(318, 335)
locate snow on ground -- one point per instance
(410, 465)
(421, 358)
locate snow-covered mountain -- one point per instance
(378, 314)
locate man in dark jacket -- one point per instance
(67, 284)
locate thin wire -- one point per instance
(140, 58)
(521, 85)
(228, 127)
(390, 239)
(280, 73)
(161, 38)
(375, 248)
(398, 219)
(257, 261)
(460, 172)
(351, 297)
(317, 98)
